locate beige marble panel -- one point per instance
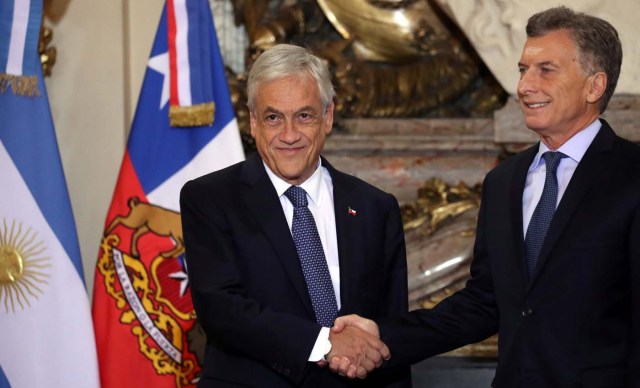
(399, 155)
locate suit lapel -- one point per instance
(586, 174)
(519, 180)
(262, 200)
(347, 234)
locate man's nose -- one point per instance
(289, 132)
(528, 83)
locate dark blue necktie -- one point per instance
(314, 265)
(543, 212)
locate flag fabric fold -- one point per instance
(146, 331)
(46, 333)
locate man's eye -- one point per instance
(271, 117)
(522, 71)
(305, 117)
(547, 70)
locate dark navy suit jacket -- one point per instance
(247, 285)
(577, 323)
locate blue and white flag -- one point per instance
(46, 333)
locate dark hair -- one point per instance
(597, 42)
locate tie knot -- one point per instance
(297, 196)
(552, 160)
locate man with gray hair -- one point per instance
(281, 244)
(556, 267)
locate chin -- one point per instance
(534, 125)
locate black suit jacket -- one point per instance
(247, 285)
(577, 324)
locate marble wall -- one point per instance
(399, 155)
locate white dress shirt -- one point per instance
(575, 149)
(319, 188)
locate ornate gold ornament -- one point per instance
(438, 201)
(389, 58)
(192, 116)
(440, 231)
(48, 54)
(23, 266)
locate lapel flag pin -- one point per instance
(351, 211)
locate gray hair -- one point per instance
(284, 60)
(597, 42)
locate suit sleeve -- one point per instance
(634, 257)
(468, 316)
(231, 320)
(396, 298)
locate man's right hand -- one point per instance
(356, 347)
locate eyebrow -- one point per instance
(538, 64)
(270, 109)
(545, 63)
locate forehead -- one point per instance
(551, 47)
(288, 92)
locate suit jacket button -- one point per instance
(286, 371)
(526, 312)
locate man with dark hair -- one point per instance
(556, 267)
(279, 245)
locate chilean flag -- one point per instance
(184, 127)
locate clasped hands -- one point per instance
(356, 348)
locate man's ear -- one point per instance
(597, 86)
(328, 117)
(252, 123)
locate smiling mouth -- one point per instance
(536, 105)
(289, 151)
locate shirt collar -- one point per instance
(575, 147)
(312, 185)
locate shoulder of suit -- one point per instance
(629, 154)
(515, 160)
(357, 184)
(224, 174)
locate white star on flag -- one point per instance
(160, 63)
(184, 281)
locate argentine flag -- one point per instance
(46, 334)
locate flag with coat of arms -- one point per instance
(184, 126)
(46, 333)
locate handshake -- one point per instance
(356, 348)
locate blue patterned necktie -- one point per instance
(543, 212)
(314, 265)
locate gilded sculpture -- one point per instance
(389, 58)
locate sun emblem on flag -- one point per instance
(22, 266)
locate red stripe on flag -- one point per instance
(173, 59)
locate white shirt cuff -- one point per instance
(317, 353)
